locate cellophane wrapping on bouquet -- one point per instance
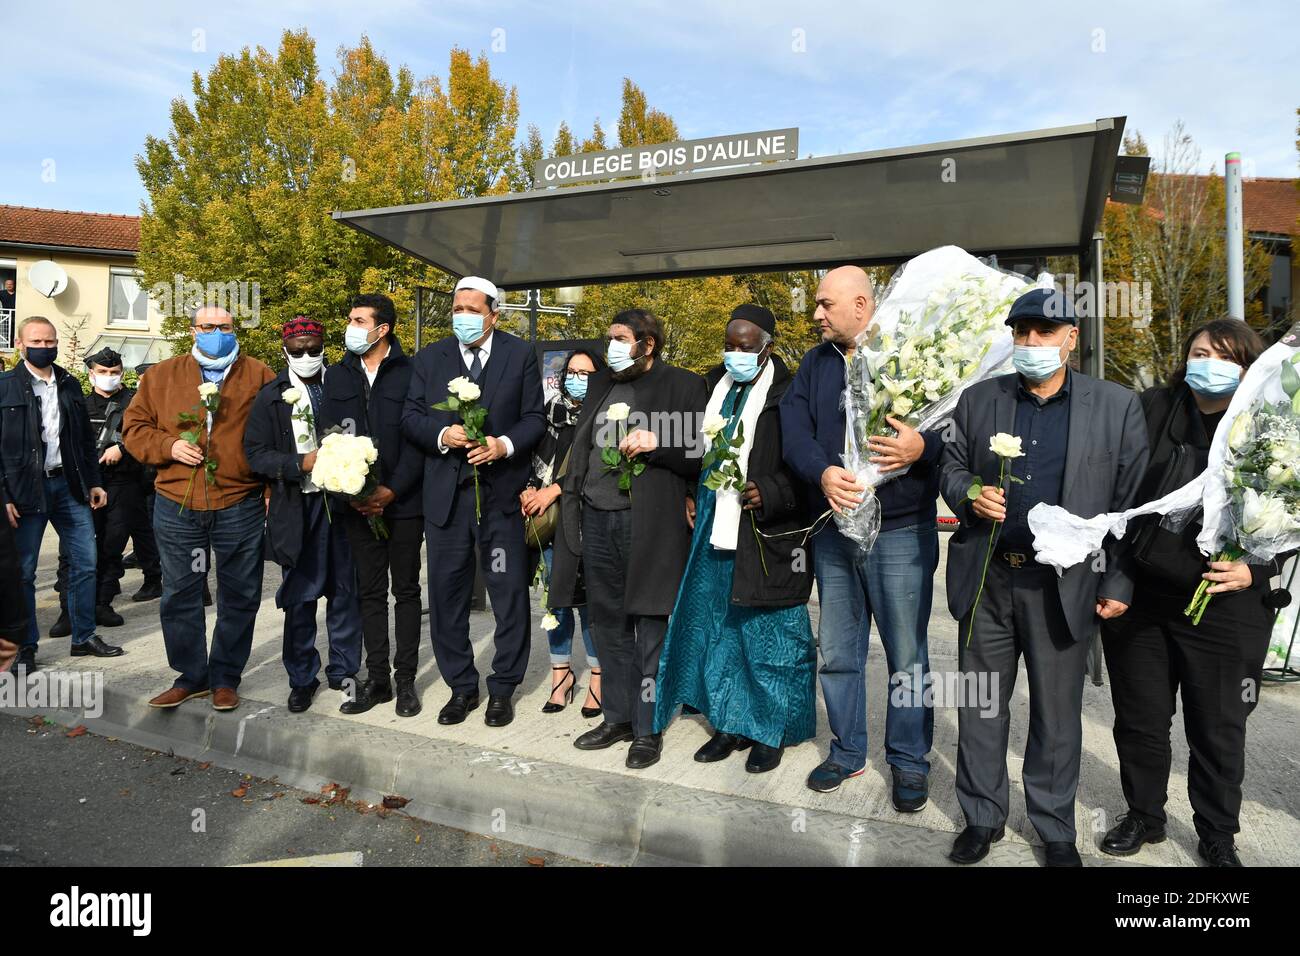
(939, 328)
(1248, 496)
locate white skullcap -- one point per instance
(478, 284)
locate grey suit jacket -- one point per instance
(1106, 456)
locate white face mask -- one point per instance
(106, 383)
(305, 366)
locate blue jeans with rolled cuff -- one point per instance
(73, 521)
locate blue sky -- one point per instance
(84, 83)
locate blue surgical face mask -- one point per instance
(217, 344)
(467, 326)
(1212, 376)
(619, 355)
(742, 366)
(576, 386)
(1037, 362)
(357, 340)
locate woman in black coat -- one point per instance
(1154, 651)
(740, 646)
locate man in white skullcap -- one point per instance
(471, 494)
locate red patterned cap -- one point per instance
(301, 325)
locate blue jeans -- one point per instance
(76, 528)
(561, 639)
(893, 583)
(233, 535)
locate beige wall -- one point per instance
(82, 309)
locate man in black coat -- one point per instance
(471, 494)
(365, 395)
(49, 474)
(632, 543)
(281, 440)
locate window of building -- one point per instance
(128, 304)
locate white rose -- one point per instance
(549, 622)
(1005, 446)
(901, 406)
(618, 412)
(1242, 431)
(712, 425)
(469, 392)
(352, 483)
(1266, 515)
(371, 452)
(208, 389)
(291, 395)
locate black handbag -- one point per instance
(540, 531)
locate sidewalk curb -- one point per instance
(590, 815)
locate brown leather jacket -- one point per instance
(151, 426)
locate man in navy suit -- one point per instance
(506, 371)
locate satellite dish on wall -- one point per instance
(47, 277)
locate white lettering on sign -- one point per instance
(646, 161)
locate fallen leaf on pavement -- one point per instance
(395, 802)
(77, 731)
(239, 792)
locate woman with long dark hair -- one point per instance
(1154, 652)
(550, 463)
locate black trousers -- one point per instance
(377, 562)
(504, 559)
(1152, 656)
(114, 523)
(628, 645)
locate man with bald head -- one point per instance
(893, 582)
(208, 502)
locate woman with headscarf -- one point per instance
(739, 647)
(550, 463)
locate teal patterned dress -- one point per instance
(750, 670)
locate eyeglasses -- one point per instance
(581, 373)
(209, 327)
(299, 351)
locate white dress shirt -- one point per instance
(47, 394)
(484, 351)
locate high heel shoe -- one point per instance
(550, 707)
(593, 711)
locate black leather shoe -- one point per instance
(1060, 853)
(341, 683)
(26, 660)
(500, 711)
(369, 695)
(62, 627)
(606, 735)
(763, 758)
(1218, 852)
(720, 746)
(972, 844)
(1126, 837)
(300, 698)
(105, 616)
(408, 701)
(458, 708)
(644, 751)
(95, 647)
(910, 790)
(149, 591)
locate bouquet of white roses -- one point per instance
(345, 465)
(940, 327)
(1260, 481)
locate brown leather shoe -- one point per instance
(223, 698)
(176, 696)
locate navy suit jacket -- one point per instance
(511, 385)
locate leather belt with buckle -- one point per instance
(54, 472)
(1016, 559)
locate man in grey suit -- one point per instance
(1085, 449)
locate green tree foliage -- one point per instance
(242, 187)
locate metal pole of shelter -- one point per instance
(1235, 250)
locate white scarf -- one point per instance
(304, 437)
(727, 510)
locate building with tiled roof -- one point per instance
(102, 303)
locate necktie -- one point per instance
(475, 365)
